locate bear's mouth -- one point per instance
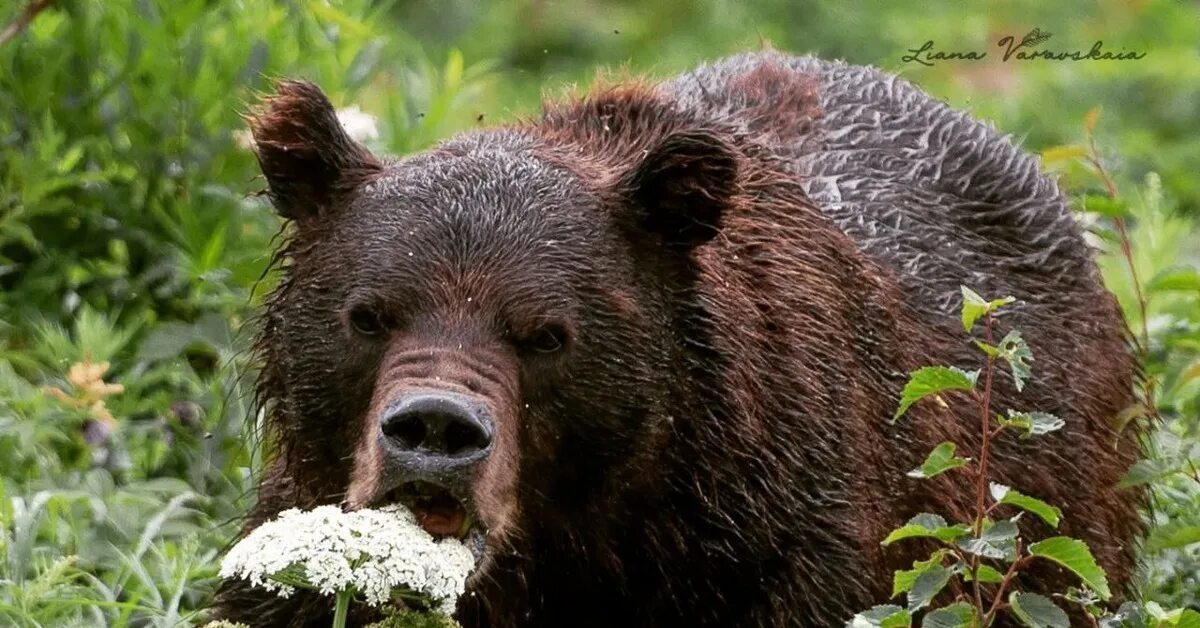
(439, 511)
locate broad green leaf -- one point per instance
(927, 586)
(903, 579)
(986, 574)
(927, 526)
(1175, 279)
(1046, 512)
(975, 306)
(932, 380)
(996, 541)
(940, 460)
(1032, 423)
(1037, 611)
(1074, 555)
(1014, 351)
(957, 615)
(882, 616)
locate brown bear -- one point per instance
(642, 352)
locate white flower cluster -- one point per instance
(369, 551)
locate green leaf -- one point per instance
(1046, 512)
(1014, 351)
(1074, 555)
(882, 616)
(1189, 619)
(974, 306)
(903, 579)
(996, 541)
(1105, 206)
(1175, 279)
(940, 460)
(1037, 611)
(927, 526)
(957, 615)
(1032, 423)
(932, 380)
(987, 575)
(1171, 535)
(927, 586)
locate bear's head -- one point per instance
(496, 332)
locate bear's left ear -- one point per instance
(309, 160)
(683, 186)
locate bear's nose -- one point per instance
(441, 429)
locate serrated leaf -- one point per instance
(882, 616)
(926, 525)
(1031, 423)
(1075, 556)
(1046, 512)
(927, 585)
(957, 615)
(940, 460)
(996, 541)
(902, 580)
(1014, 351)
(932, 380)
(1037, 611)
(975, 306)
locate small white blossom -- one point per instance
(369, 551)
(360, 125)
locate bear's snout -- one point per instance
(436, 433)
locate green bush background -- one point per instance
(130, 232)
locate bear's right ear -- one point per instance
(683, 187)
(305, 154)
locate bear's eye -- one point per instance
(546, 339)
(366, 321)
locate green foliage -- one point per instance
(130, 234)
(940, 460)
(1074, 555)
(984, 553)
(933, 380)
(132, 249)
(1004, 495)
(1038, 611)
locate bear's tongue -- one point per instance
(440, 515)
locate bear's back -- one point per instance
(932, 193)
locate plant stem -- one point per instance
(981, 509)
(1008, 578)
(24, 19)
(985, 405)
(342, 609)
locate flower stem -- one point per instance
(342, 609)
